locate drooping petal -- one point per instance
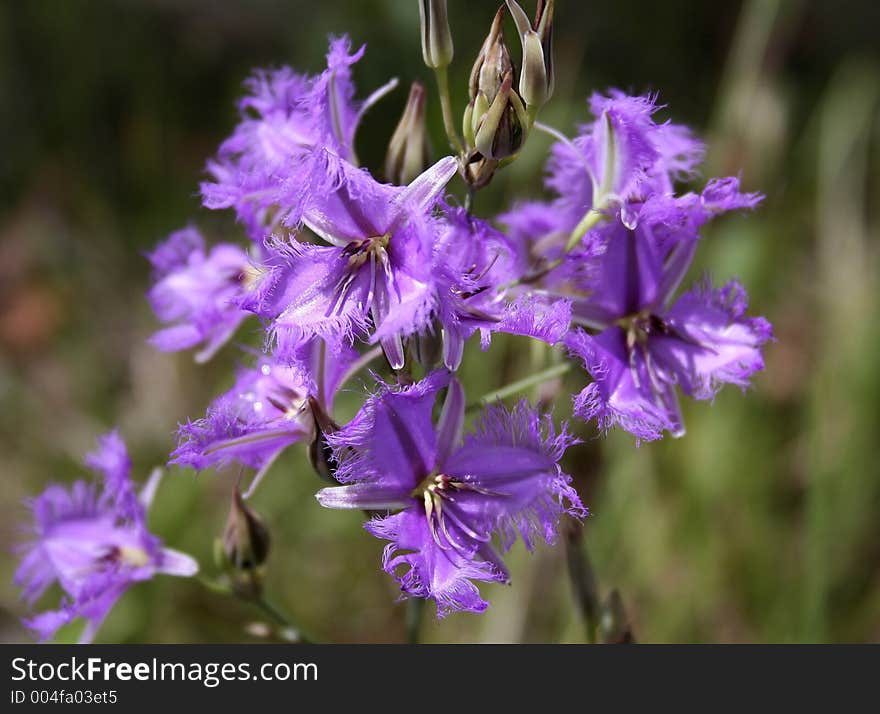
(424, 569)
(711, 342)
(615, 398)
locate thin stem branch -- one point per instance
(222, 586)
(282, 619)
(590, 219)
(523, 384)
(446, 108)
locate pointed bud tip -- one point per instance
(246, 539)
(437, 47)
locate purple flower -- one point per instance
(474, 263)
(622, 156)
(94, 543)
(196, 292)
(269, 165)
(453, 494)
(373, 278)
(647, 346)
(268, 409)
(615, 163)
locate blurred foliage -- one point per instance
(760, 525)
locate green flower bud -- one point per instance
(246, 539)
(408, 152)
(493, 62)
(495, 121)
(537, 79)
(436, 38)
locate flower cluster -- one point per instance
(341, 267)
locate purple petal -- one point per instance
(511, 476)
(614, 398)
(713, 343)
(426, 570)
(195, 292)
(263, 413)
(371, 496)
(392, 438)
(425, 190)
(449, 429)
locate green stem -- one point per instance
(585, 586)
(523, 384)
(281, 618)
(446, 108)
(222, 587)
(415, 608)
(469, 200)
(592, 217)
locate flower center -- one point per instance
(359, 251)
(639, 326)
(126, 555)
(438, 493)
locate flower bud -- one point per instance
(436, 38)
(320, 455)
(492, 63)
(428, 347)
(408, 153)
(245, 539)
(537, 78)
(495, 121)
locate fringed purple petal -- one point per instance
(425, 569)
(265, 412)
(711, 341)
(614, 398)
(512, 480)
(196, 292)
(392, 437)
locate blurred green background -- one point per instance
(760, 525)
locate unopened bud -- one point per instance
(320, 454)
(408, 152)
(493, 62)
(436, 37)
(428, 348)
(537, 78)
(495, 121)
(245, 539)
